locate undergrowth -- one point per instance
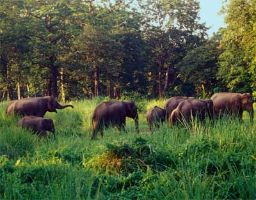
(202, 161)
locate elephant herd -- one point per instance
(33, 111)
(113, 113)
(180, 109)
(185, 109)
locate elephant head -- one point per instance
(48, 125)
(53, 104)
(131, 111)
(247, 104)
(209, 107)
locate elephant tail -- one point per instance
(174, 117)
(10, 109)
(95, 127)
(93, 121)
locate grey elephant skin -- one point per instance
(155, 116)
(113, 113)
(38, 125)
(34, 106)
(232, 104)
(190, 109)
(173, 102)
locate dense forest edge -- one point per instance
(84, 49)
(84, 52)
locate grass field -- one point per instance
(204, 161)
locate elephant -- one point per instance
(173, 102)
(155, 116)
(113, 113)
(189, 109)
(38, 125)
(233, 104)
(34, 106)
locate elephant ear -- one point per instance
(246, 99)
(131, 106)
(52, 104)
(48, 124)
(131, 109)
(250, 97)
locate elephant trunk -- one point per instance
(136, 121)
(53, 132)
(59, 106)
(251, 115)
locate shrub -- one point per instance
(139, 156)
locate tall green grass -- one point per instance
(201, 161)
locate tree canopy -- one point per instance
(81, 49)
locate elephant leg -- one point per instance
(97, 127)
(101, 132)
(54, 135)
(94, 133)
(122, 126)
(150, 128)
(42, 133)
(240, 116)
(157, 125)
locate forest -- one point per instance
(134, 57)
(82, 49)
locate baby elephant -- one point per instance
(155, 117)
(38, 125)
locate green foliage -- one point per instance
(202, 63)
(204, 161)
(15, 143)
(140, 156)
(92, 48)
(237, 62)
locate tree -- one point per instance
(13, 48)
(107, 46)
(53, 28)
(171, 29)
(237, 62)
(200, 67)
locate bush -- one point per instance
(139, 156)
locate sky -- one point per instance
(209, 14)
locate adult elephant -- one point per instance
(190, 109)
(233, 104)
(173, 102)
(113, 113)
(35, 106)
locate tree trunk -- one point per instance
(108, 88)
(54, 79)
(117, 92)
(169, 78)
(27, 90)
(160, 90)
(96, 82)
(18, 90)
(49, 88)
(53, 83)
(62, 91)
(4, 72)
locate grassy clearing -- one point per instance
(204, 161)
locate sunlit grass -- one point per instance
(199, 161)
